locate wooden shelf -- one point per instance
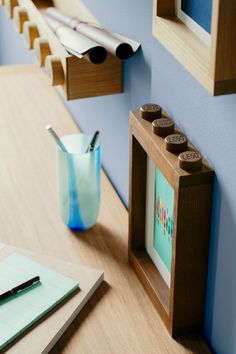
(78, 77)
(120, 313)
(213, 65)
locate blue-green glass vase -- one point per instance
(79, 182)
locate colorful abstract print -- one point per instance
(164, 217)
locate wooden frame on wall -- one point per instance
(180, 305)
(213, 65)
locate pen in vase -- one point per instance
(55, 137)
(92, 144)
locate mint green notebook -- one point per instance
(21, 311)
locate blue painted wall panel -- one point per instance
(210, 123)
(199, 11)
(12, 48)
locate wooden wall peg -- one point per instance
(42, 50)
(20, 16)
(31, 32)
(9, 5)
(55, 70)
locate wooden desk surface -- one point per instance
(120, 317)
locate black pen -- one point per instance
(93, 142)
(19, 288)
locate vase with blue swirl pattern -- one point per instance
(79, 182)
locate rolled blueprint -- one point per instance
(76, 43)
(114, 43)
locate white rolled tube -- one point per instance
(113, 44)
(76, 42)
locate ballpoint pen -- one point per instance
(19, 288)
(93, 142)
(56, 137)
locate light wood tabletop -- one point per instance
(120, 317)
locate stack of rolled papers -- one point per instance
(87, 40)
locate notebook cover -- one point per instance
(46, 333)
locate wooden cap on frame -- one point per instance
(163, 126)
(190, 160)
(176, 143)
(150, 111)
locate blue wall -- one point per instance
(210, 122)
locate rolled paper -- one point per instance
(76, 43)
(114, 43)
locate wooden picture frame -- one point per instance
(181, 306)
(214, 64)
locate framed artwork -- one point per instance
(200, 34)
(169, 228)
(159, 220)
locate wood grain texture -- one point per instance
(190, 255)
(9, 6)
(153, 283)
(54, 70)
(137, 194)
(42, 50)
(165, 8)
(89, 80)
(83, 79)
(223, 53)
(120, 317)
(167, 161)
(185, 46)
(20, 16)
(30, 32)
(212, 65)
(182, 306)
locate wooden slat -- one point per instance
(223, 64)
(165, 8)
(120, 317)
